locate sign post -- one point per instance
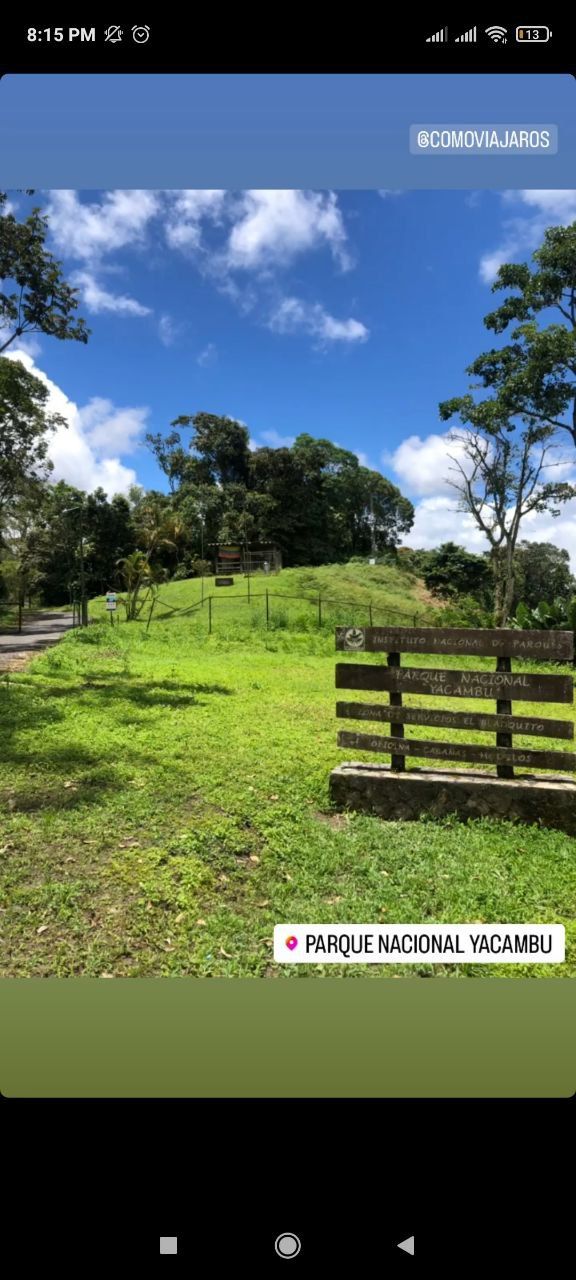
(395, 792)
(111, 605)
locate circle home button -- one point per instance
(287, 1245)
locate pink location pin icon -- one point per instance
(291, 942)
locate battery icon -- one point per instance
(535, 35)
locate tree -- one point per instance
(35, 297)
(500, 468)
(61, 513)
(542, 572)
(155, 526)
(450, 570)
(110, 535)
(140, 579)
(313, 500)
(535, 374)
(20, 569)
(220, 445)
(25, 426)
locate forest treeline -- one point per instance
(313, 500)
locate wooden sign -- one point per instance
(548, 646)
(503, 685)
(447, 683)
(455, 751)
(531, 726)
(224, 582)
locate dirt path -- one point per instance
(38, 633)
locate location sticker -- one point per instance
(291, 942)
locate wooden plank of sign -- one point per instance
(504, 708)
(486, 643)
(516, 686)
(456, 751)
(532, 726)
(224, 582)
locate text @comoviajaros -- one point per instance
(418, 943)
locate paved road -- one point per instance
(37, 633)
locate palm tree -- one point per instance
(140, 580)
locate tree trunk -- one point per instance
(504, 586)
(508, 600)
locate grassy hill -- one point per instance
(386, 586)
(296, 600)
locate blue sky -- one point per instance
(342, 314)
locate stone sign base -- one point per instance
(375, 789)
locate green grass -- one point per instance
(293, 596)
(163, 803)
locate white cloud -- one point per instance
(170, 330)
(239, 240)
(385, 193)
(424, 466)
(187, 210)
(90, 231)
(107, 427)
(29, 345)
(207, 356)
(293, 315)
(262, 230)
(166, 330)
(98, 299)
(275, 441)
(437, 519)
(79, 450)
(561, 531)
(362, 458)
(523, 234)
(274, 227)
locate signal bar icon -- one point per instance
(439, 36)
(469, 37)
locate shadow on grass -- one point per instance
(62, 794)
(126, 688)
(31, 705)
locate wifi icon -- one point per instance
(498, 34)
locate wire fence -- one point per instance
(323, 607)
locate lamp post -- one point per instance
(83, 600)
(202, 554)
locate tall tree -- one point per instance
(450, 570)
(535, 373)
(25, 427)
(500, 469)
(542, 573)
(35, 297)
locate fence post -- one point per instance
(267, 609)
(319, 611)
(370, 613)
(209, 615)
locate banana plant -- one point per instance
(560, 615)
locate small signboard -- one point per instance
(111, 600)
(224, 582)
